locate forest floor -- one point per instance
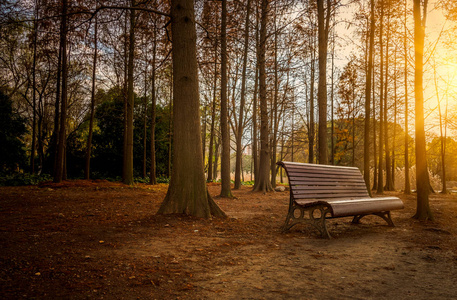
(103, 240)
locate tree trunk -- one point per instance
(263, 183)
(128, 160)
(239, 146)
(323, 16)
(366, 140)
(423, 211)
(92, 105)
(388, 186)
(152, 171)
(225, 135)
(312, 126)
(405, 46)
(145, 118)
(187, 192)
(380, 187)
(59, 168)
(34, 110)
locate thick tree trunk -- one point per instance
(423, 211)
(225, 136)
(92, 105)
(263, 183)
(239, 146)
(366, 140)
(187, 192)
(128, 154)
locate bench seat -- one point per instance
(319, 192)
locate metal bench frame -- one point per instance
(320, 192)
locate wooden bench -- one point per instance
(320, 192)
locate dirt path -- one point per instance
(101, 240)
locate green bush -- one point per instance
(20, 179)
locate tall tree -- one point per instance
(152, 171)
(380, 186)
(263, 183)
(239, 146)
(405, 49)
(323, 20)
(423, 211)
(61, 147)
(92, 104)
(225, 136)
(187, 192)
(128, 154)
(366, 141)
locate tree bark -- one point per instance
(152, 171)
(239, 146)
(92, 105)
(366, 141)
(263, 183)
(225, 136)
(60, 161)
(187, 192)
(128, 160)
(405, 47)
(423, 211)
(323, 16)
(380, 187)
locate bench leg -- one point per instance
(315, 215)
(384, 215)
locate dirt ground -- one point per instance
(102, 240)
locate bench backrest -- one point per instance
(310, 181)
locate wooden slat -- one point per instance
(337, 189)
(326, 196)
(324, 171)
(336, 180)
(319, 175)
(305, 185)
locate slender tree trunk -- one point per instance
(60, 163)
(395, 121)
(323, 16)
(213, 121)
(423, 211)
(152, 171)
(442, 138)
(366, 140)
(263, 183)
(239, 146)
(34, 110)
(274, 111)
(312, 126)
(255, 141)
(380, 189)
(56, 130)
(170, 126)
(128, 167)
(375, 154)
(92, 104)
(125, 91)
(187, 192)
(145, 118)
(405, 46)
(388, 186)
(225, 135)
